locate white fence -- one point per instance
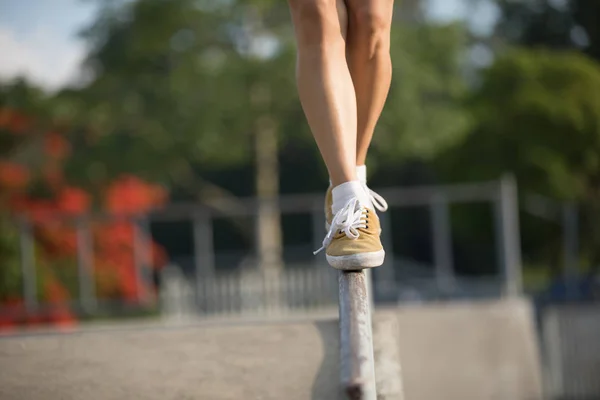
(248, 293)
(214, 288)
(571, 338)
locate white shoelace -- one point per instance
(348, 220)
(378, 202)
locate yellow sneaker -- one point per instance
(353, 241)
(378, 202)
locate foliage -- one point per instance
(173, 83)
(565, 25)
(423, 115)
(537, 114)
(33, 186)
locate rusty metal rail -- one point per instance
(357, 367)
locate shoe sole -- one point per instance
(355, 262)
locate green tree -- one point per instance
(537, 114)
(423, 115)
(181, 87)
(564, 25)
(177, 82)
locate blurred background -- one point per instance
(155, 163)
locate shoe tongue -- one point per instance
(365, 203)
(361, 205)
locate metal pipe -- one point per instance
(204, 258)
(508, 235)
(385, 276)
(442, 245)
(28, 270)
(357, 367)
(571, 238)
(141, 253)
(87, 292)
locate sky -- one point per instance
(38, 38)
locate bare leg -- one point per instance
(324, 83)
(368, 44)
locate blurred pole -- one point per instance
(28, 269)
(141, 250)
(268, 220)
(87, 292)
(266, 143)
(204, 257)
(552, 344)
(442, 245)
(508, 236)
(570, 221)
(318, 231)
(385, 276)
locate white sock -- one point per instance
(347, 191)
(361, 173)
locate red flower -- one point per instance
(128, 283)
(158, 256)
(57, 238)
(56, 146)
(62, 318)
(34, 319)
(53, 176)
(54, 292)
(40, 210)
(73, 201)
(7, 325)
(5, 116)
(13, 176)
(114, 263)
(131, 195)
(14, 121)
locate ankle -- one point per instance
(361, 176)
(339, 179)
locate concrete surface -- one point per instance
(452, 352)
(269, 362)
(463, 351)
(572, 343)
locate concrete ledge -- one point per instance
(460, 351)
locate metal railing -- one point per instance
(207, 277)
(357, 364)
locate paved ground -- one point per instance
(463, 351)
(281, 361)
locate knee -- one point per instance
(315, 21)
(372, 28)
